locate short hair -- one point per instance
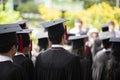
(7, 41)
(106, 43)
(56, 33)
(111, 23)
(78, 21)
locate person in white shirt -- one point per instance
(78, 28)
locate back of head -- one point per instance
(56, 33)
(8, 37)
(56, 30)
(7, 41)
(43, 43)
(25, 39)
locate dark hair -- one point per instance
(56, 33)
(114, 64)
(7, 41)
(111, 23)
(43, 43)
(106, 43)
(78, 48)
(25, 40)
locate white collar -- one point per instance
(57, 45)
(106, 49)
(5, 58)
(18, 53)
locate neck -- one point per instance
(7, 54)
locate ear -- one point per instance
(14, 48)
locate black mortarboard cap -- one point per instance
(9, 28)
(104, 27)
(106, 35)
(77, 40)
(24, 39)
(115, 40)
(8, 34)
(55, 28)
(50, 24)
(23, 24)
(75, 37)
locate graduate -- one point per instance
(78, 45)
(101, 58)
(57, 63)
(8, 48)
(113, 67)
(23, 49)
(43, 41)
(78, 49)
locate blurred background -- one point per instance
(92, 12)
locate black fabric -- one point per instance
(7, 39)
(86, 69)
(78, 43)
(9, 71)
(25, 39)
(57, 64)
(43, 43)
(26, 64)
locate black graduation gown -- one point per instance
(26, 63)
(57, 64)
(86, 69)
(10, 71)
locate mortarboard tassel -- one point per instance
(21, 44)
(30, 45)
(66, 32)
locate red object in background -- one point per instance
(87, 49)
(30, 45)
(21, 44)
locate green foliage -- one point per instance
(49, 14)
(9, 17)
(29, 7)
(96, 15)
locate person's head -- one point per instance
(43, 43)
(56, 31)
(106, 43)
(105, 36)
(8, 39)
(93, 33)
(24, 41)
(78, 23)
(111, 25)
(78, 41)
(115, 47)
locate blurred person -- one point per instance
(8, 48)
(101, 58)
(43, 41)
(23, 49)
(112, 29)
(78, 28)
(78, 45)
(113, 67)
(57, 63)
(93, 35)
(78, 49)
(97, 42)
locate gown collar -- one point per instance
(5, 58)
(57, 46)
